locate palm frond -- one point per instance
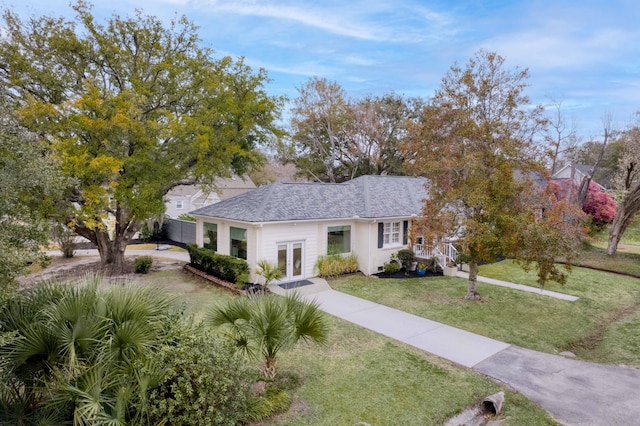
(310, 322)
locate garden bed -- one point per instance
(411, 274)
(248, 287)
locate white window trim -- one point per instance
(389, 234)
(179, 205)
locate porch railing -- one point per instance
(444, 253)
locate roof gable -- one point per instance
(364, 197)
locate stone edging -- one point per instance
(217, 281)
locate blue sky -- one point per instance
(586, 53)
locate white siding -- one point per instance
(361, 241)
(263, 240)
(273, 234)
(190, 201)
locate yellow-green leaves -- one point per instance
(131, 108)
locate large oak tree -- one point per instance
(132, 108)
(336, 138)
(475, 145)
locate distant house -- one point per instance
(292, 224)
(575, 173)
(184, 198)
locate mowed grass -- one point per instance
(608, 304)
(360, 376)
(625, 261)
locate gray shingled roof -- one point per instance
(365, 197)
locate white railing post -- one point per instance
(443, 252)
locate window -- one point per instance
(338, 239)
(238, 243)
(392, 234)
(210, 237)
(179, 204)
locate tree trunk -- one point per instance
(269, 368)
(111, 250)
(472, 289)
(625, 211)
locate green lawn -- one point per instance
(360, 376)
(601, 326)
(365, 377)
(625, 261)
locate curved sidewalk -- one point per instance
(573, 392)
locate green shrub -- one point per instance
(145, 232)
(228, 268)
(241, 280)
(334, 265)
(156, 232)
(391, 268)
(406, 257)
(143, 264)
(205, 384)
(186, 217)
(66, 239)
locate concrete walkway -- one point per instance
(521, 287)
(457, 345)
(573, 392)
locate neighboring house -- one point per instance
(575, 172)
(292, 224)
(184, 198)
(231, 187)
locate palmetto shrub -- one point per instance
(82, 354)
(262, 325)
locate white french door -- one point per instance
(290, 260)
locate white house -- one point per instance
(184, 198)
(575, 173)
(292, 224)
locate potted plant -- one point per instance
(421, 270)
(407, 257)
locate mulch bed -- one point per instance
(410, 274)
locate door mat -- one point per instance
(294, 284)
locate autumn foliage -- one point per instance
(474, 144)
(599, 205)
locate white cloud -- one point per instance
(365, 20)
(359, 61)
(545, 50)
